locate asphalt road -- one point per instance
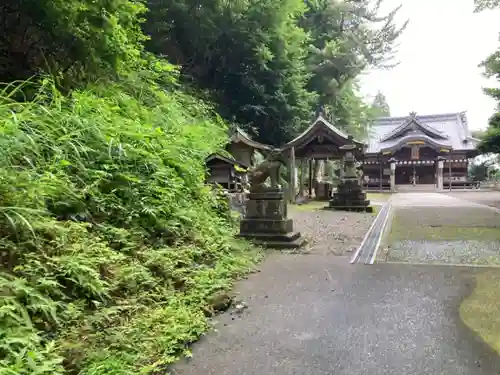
(316, 314)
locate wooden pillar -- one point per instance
(292, 174)
(381, 172)
(311, 172)
(302, 177)
(440, 175)
(393, 177)
(449, 172)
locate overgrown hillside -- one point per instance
(111, 244)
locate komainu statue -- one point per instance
(269, 168)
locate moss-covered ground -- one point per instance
(481, 310)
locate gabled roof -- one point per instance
(238, 135)
(232, 161)
(452, 128)
(398, 142)
(321, 124)
(413, 124)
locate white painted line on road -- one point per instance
(357, 253)
(380, 235)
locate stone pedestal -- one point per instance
(266, 222)
(350, 197)
(323, 189)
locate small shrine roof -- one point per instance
(239, 135)
(321, 125)
(226, 159)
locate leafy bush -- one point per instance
(111, 244)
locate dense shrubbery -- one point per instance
(111, 243)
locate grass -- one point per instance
(320, 205)
(112, 247)
(440, 224)
(481, 310)
(310, 206)
(442, 233)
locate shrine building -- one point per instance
(428, 150)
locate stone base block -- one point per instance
(291, 240)
(266, 226)
(266, 193)
(275, 209)
(350, 208)
(356, 196)
(350, 202)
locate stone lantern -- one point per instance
(350, 195)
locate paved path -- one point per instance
(312, 315)
(317, 315)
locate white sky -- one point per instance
(439, 53)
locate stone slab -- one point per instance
(290, 240)
(266, 226)
(278, 195)
(368, 209)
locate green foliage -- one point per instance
(111, 242)
(248, 54)
(267, 64)
(482, 170)
(490, 140)
(81, 39)
(347, 38)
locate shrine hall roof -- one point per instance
(238, 135)
(321, 125)
(449, 129)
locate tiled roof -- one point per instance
(239, 135)
(452, 127)
(228, 160)
(319, 124)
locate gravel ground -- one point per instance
(331, 232)
(447, 252)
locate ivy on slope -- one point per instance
(111, 244)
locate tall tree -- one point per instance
(380, 105)
(347, 37)
(248, 54)
(490, 141)
(268, 63)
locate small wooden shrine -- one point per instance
(230, 170)
(226, 172)
(320, 142)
